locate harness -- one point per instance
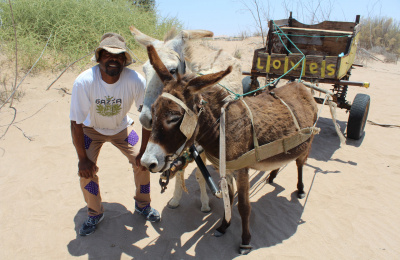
(271, 149)
(259, 153)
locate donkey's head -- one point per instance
(171, 53)
(174, 113)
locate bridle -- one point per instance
(188, 125)
(190, 120)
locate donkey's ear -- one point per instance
(142, 38)
(180, 41)
(158, 66)
(195, 34)
(201, 82)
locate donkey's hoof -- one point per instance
(173, 204)
(218, 234)
(301, 194)
(245, 249)
(205, 209)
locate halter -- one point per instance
(189, 122)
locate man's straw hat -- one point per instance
(113, 43)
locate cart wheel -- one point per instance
(358, 116)
(246, 84)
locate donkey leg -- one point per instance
(300, 161)
(244, 206)
(272, 175)
(300, 186)
(205, 207)
(220, 231)
(174, 202)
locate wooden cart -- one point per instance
(319, 53)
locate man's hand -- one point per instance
(87, 168)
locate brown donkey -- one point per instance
(198, 98)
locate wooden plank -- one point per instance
(320, 46)
(294, 58)
(326, 25)
(311, 43)
(310, 67)
(321, 31)
(277, 46)
(259, 60)
(347, 60)
(281, 22)
(331, 63)
(313, 66)
(257, 53)
(276, 64)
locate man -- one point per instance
(101, 98)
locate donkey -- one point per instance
(180, 53)
(273, 120)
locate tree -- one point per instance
(256, 9)
(310, 11)
(148, 5)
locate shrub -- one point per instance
(76, 28)
(237, 54)
(380, 33)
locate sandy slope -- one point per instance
(352, 208)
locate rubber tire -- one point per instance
(358, 116)
(246, 84)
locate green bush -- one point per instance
(380, 32)
(76, 27)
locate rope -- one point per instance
(277, 79)
(302, 60)
(276, 26)
(332, 107)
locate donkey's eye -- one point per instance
(173, 71)
(174, 119)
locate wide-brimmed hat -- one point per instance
(113, 43)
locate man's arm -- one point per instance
(86, 167)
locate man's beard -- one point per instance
(113, 68)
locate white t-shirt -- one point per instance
(105, 106)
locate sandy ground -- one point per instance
(351, 211)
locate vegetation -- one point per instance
(381, 35)
(148, 5)
(237, 54)
(75, 28)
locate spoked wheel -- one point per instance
(358, 116)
